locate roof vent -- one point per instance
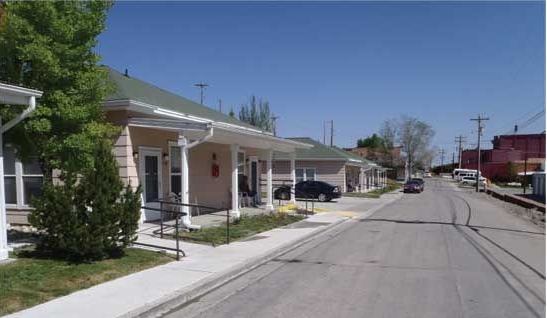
(126, 74)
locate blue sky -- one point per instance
(357, 63)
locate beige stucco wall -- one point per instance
(204, 188)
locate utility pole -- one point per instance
(441, 152)
(479, 121)
(453, 164)
(324, 132)
(459, 140)
(331, 132)
(220, 105)
(202, 88)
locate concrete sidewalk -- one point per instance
(152, 292)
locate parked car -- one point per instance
(400, 180)
(420, 181)
(319, 190)
(427, 174)
(413, 187)
(473, 180)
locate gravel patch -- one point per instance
(531, 215)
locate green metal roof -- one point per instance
(353, 156)
(319, 151)
(127, 87)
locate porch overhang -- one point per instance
(168, 124)
(251, 139)
(225, 133)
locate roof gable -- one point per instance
(129, 88)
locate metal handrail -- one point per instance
(293, 191)
(178, 214)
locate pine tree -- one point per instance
(91, 217)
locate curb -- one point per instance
(190, 293)
(200, 288)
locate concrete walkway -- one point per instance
(152, 292)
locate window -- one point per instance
(299, 175)
(22, 180)
(240, 164)
(310, 174)
(175, 169)
(305, 174)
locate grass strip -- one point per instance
(244, 227)
(27, 281)
(375, 194)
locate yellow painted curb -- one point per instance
(347, 214)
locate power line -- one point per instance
(509, 125)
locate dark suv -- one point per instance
(319, 190)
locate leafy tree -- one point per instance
(373, 142)
(49, 46)
(257, 114)
(88, 216)
(232, 114)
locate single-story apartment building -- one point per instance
(170, 144)
(325, 163)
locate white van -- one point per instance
(457, 172)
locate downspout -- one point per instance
(202, 140)
(186, 221)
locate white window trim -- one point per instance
(153, 151)
(305, 175)
(19, 186)
(172, 144)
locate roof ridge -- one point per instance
(157, 87)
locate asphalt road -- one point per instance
(446, 252)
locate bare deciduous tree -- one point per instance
(413, 134)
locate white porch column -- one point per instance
(344, 186)
(184, 183)
(235, 183)
(269, 200)
(378, 179)
(3, 219)
(293, 177)
(361, 180)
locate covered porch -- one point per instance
(201, 163)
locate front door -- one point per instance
(150, 177)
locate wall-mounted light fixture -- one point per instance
(136, 155)
(165, 157)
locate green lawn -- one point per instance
(375, 194)
(244, 227)
(27, 281)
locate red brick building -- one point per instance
(506, 149)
